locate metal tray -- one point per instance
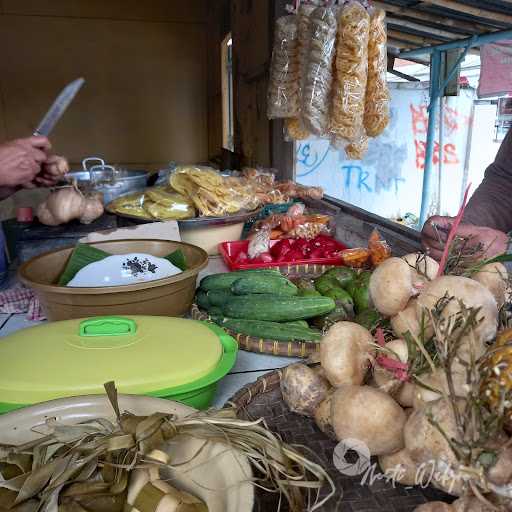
(241, 216)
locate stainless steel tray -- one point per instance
(199, 222)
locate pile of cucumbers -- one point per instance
(261, 303)
(265, 304)
(350, 291)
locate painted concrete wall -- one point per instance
(389, 180)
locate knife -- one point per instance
(59, 107)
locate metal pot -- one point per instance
(108, 180)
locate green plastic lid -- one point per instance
(142, 354)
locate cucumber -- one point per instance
(214, 311)
(299, 323)
(225, 280)
(309, 293)
(264, 283)
(272, 308)
(268, 330)
(202, 300)
(218, 297)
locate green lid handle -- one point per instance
(107, 326)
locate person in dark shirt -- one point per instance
(488, 216)
(29, 163)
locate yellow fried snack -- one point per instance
(130, 204)
(376, 114)
(211, 193)
(351, 72)
(356, 149)
(163, 204)
(295, 129)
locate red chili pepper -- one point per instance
(294, 255)
(317, 253)
(281, 248)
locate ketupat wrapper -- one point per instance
(351, 72)
(376, 114)
(115, 467)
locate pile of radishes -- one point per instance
(362, 389)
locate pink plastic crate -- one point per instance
(230, 251)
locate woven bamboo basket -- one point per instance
(263, 399)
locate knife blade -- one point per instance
(59, 107)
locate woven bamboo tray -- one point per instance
(262, 346)
(263, 399)
(274, 347)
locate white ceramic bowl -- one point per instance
(124, 269)
(217, 475)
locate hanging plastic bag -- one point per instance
(351, 68)
(376, 115)
(284, 84)
(295, 130)
(318, 80)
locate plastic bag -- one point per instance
(318, 80)
(351, 68)
(284, 84)
(156, 203)
(295, 130)
(356, 150)
(376, 114)
(259, 244)
(379, 249)
(164, 204)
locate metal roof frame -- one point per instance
(494, 14)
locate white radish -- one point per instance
(346, 352)
(423, 267)
(471, 293)
(303, 389)
(323, 415)
(494, 277)
(391, 286)
(399, 467)
(369, 415)
(434, 506)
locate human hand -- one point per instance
(490, 242)
(52, 171)
(21, 159)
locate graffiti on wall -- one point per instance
(379, 171)
(452, 123)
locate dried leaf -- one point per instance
(38, 479)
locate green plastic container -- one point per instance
(165, 357)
